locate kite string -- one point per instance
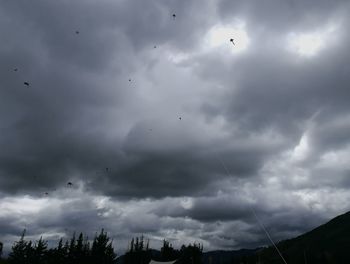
(268, 235)
(253, 211)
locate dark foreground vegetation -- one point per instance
(79, 250)
(329, 243)
(76, 250)
(139, 254)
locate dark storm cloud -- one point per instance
(330, 132)
(212, 210)
(9, 226)
(174, 163)
(231, 222)
(57, 127)
(222, 209)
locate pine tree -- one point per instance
(86, 249)
(102, 251)
(141, 243)
(167, 252)
(79, 249)
(18, 253)
(147, 245)
(57, 255)
(191, 254)
(40, 251)
(71, 250)
(61, 251)
(138, 253)
(29, 253)
(132, 245)
(137, 245)
(1, 246)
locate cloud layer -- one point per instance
(164, 127)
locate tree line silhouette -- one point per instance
(74, 251)
(140, 253)
(80, 250)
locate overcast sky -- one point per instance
(166, 128)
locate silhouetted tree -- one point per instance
(191, 254)
(138, 253)
(29, 253)
(1, 246)
(19, 249)
(40, 251)
(79, 253)
(167, 252)
(71, 259)
(86, 250)
(58, 255)
(132, 245)
(102, 250)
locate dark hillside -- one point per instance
(328, 243)
(226, 257)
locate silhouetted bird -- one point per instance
(108, 169)
(69, 184)
(26, 83)
(46, 193)
(180, 118)
(155, 47)
(231, 40)
(174, 16)
(15, 69)
(77, 32)
(129, 80)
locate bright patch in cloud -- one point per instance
(311, 43)
(22, 205)
(219, 36)
(301, 151)
(187, 203)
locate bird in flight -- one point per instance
(26, 83)
(69, 184)
(77, 32)
(174, 16)
(180, 118)
(129, 80)
(15, 69)
(155, 47)
(231, 40)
